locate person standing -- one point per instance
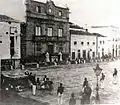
(85, 82)
(103, 77)
(115, 72)
(86, 94)
(115, 76)
(102, 80)
(72, 100)
(60, 91)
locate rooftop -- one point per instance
(4, 18)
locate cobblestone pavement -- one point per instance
(72, 77)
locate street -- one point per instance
(72, 77)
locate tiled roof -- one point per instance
(6, 18)
(72, 25)
(99, 35)
(80, 32)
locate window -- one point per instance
(50, 10)
(60, 32)
(49, 31)
(38, 45)
(100, 42)
(38, 9)
(38, 31)
(93, 43)
(60, 13)
(0, 41)
(82, 43)
(75, 42)
(78, 50)
(103, 42)
(88, 43)
(13, 30)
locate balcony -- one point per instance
(49, 39)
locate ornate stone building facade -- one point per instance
(46, 30)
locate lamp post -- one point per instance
(97, 71)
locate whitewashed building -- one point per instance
(112, 39)
(9, 41)
(83, 43)
(86, 45)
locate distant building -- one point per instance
(9, 41)
(112, 38)
(84, 44)
(101, 45)
(47, 30)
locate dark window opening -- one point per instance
(88, 43)
(75, 42)
(73, 55)
(82, 43)
(38, 9)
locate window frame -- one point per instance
(38, 9)
(49, 10)
(12, 30)
(60, 13)
(60, 32)
(49, 31)
(37, 30)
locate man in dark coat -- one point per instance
(86, 94)
(85, 82)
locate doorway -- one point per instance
(84, 54)
(50, 49)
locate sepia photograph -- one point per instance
(59, 52)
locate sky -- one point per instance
(83, 12)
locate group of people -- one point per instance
(44, 84)
(85, 99)
(86, 91)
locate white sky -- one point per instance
(90, 12)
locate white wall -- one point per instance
(5, 38)
(110, 33)
(78, 46)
